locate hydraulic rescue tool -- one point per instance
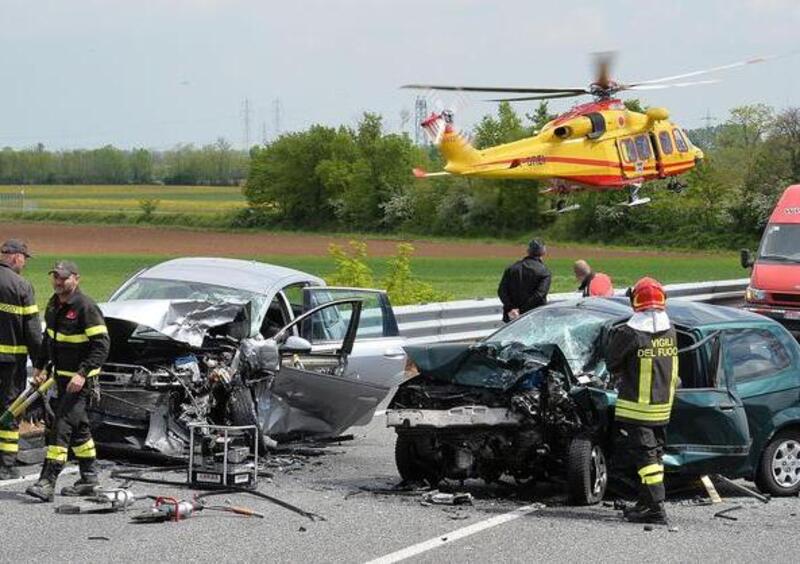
(103, 501)
(24, 400)
(172, 509)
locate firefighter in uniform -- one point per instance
(643, 358)
(76, 344)
(20, 336)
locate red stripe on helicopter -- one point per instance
(543, 158)
(573, 160)
(600, 180)
(679, 164)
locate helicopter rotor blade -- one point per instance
(512, 89)
(669, 85)
(711, 70)
(545, 97)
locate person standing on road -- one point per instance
(76, 344)
(592, 283)
(20, 336)
(643, 358)
(525, 283)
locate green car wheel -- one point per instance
(779, 470)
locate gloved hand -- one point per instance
(39, 376)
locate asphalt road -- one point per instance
(504, 524)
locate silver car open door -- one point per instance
(310, 394)
(377, 355)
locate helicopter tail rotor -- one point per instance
(455, 147)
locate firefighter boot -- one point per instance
(8, 468)
(654, 513)
(636, 507)
(45, 488)
(87, 482)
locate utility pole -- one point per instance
(246, 111)
(405, 117)
(708, 118)
(277, 110)
(420, 114)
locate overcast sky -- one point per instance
(154, 73)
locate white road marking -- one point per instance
(453, 536)
(379, 413)
(32, 477)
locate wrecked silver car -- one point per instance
(216, 350)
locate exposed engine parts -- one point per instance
(152, 403)
(521, 420)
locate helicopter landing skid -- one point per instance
(633, 197)
(634, 203)
(562, 207)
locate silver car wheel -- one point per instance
(786, 464)
(599, 471)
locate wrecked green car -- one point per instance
(535, 401)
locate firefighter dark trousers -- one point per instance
(12, 382)
(646, 448)
(70, 428)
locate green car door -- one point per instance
(708, 430)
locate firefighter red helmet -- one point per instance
(648, 293)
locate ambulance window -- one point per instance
(680, 142)
(666, 143)
(643, 147)
(628, 150)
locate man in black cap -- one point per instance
(525, 283)
(76, 343)
(20, 336)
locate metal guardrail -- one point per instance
(468, 320)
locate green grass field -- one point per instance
(125, 198)
(461, 278)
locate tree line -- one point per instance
(214, 164)
(357, 179)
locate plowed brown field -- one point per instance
(75, 239)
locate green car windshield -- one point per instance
(575, 331)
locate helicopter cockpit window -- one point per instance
(643, 147)
(628, 150)
(666, 142)
(680, 142)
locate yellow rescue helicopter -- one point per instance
(597, 146)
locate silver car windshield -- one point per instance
(161, 289)
(575, 331)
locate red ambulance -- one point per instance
(774, 288)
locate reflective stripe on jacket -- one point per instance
(646, 369)
(20, 329)
(76, 339)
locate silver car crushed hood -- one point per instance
(185, 321)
